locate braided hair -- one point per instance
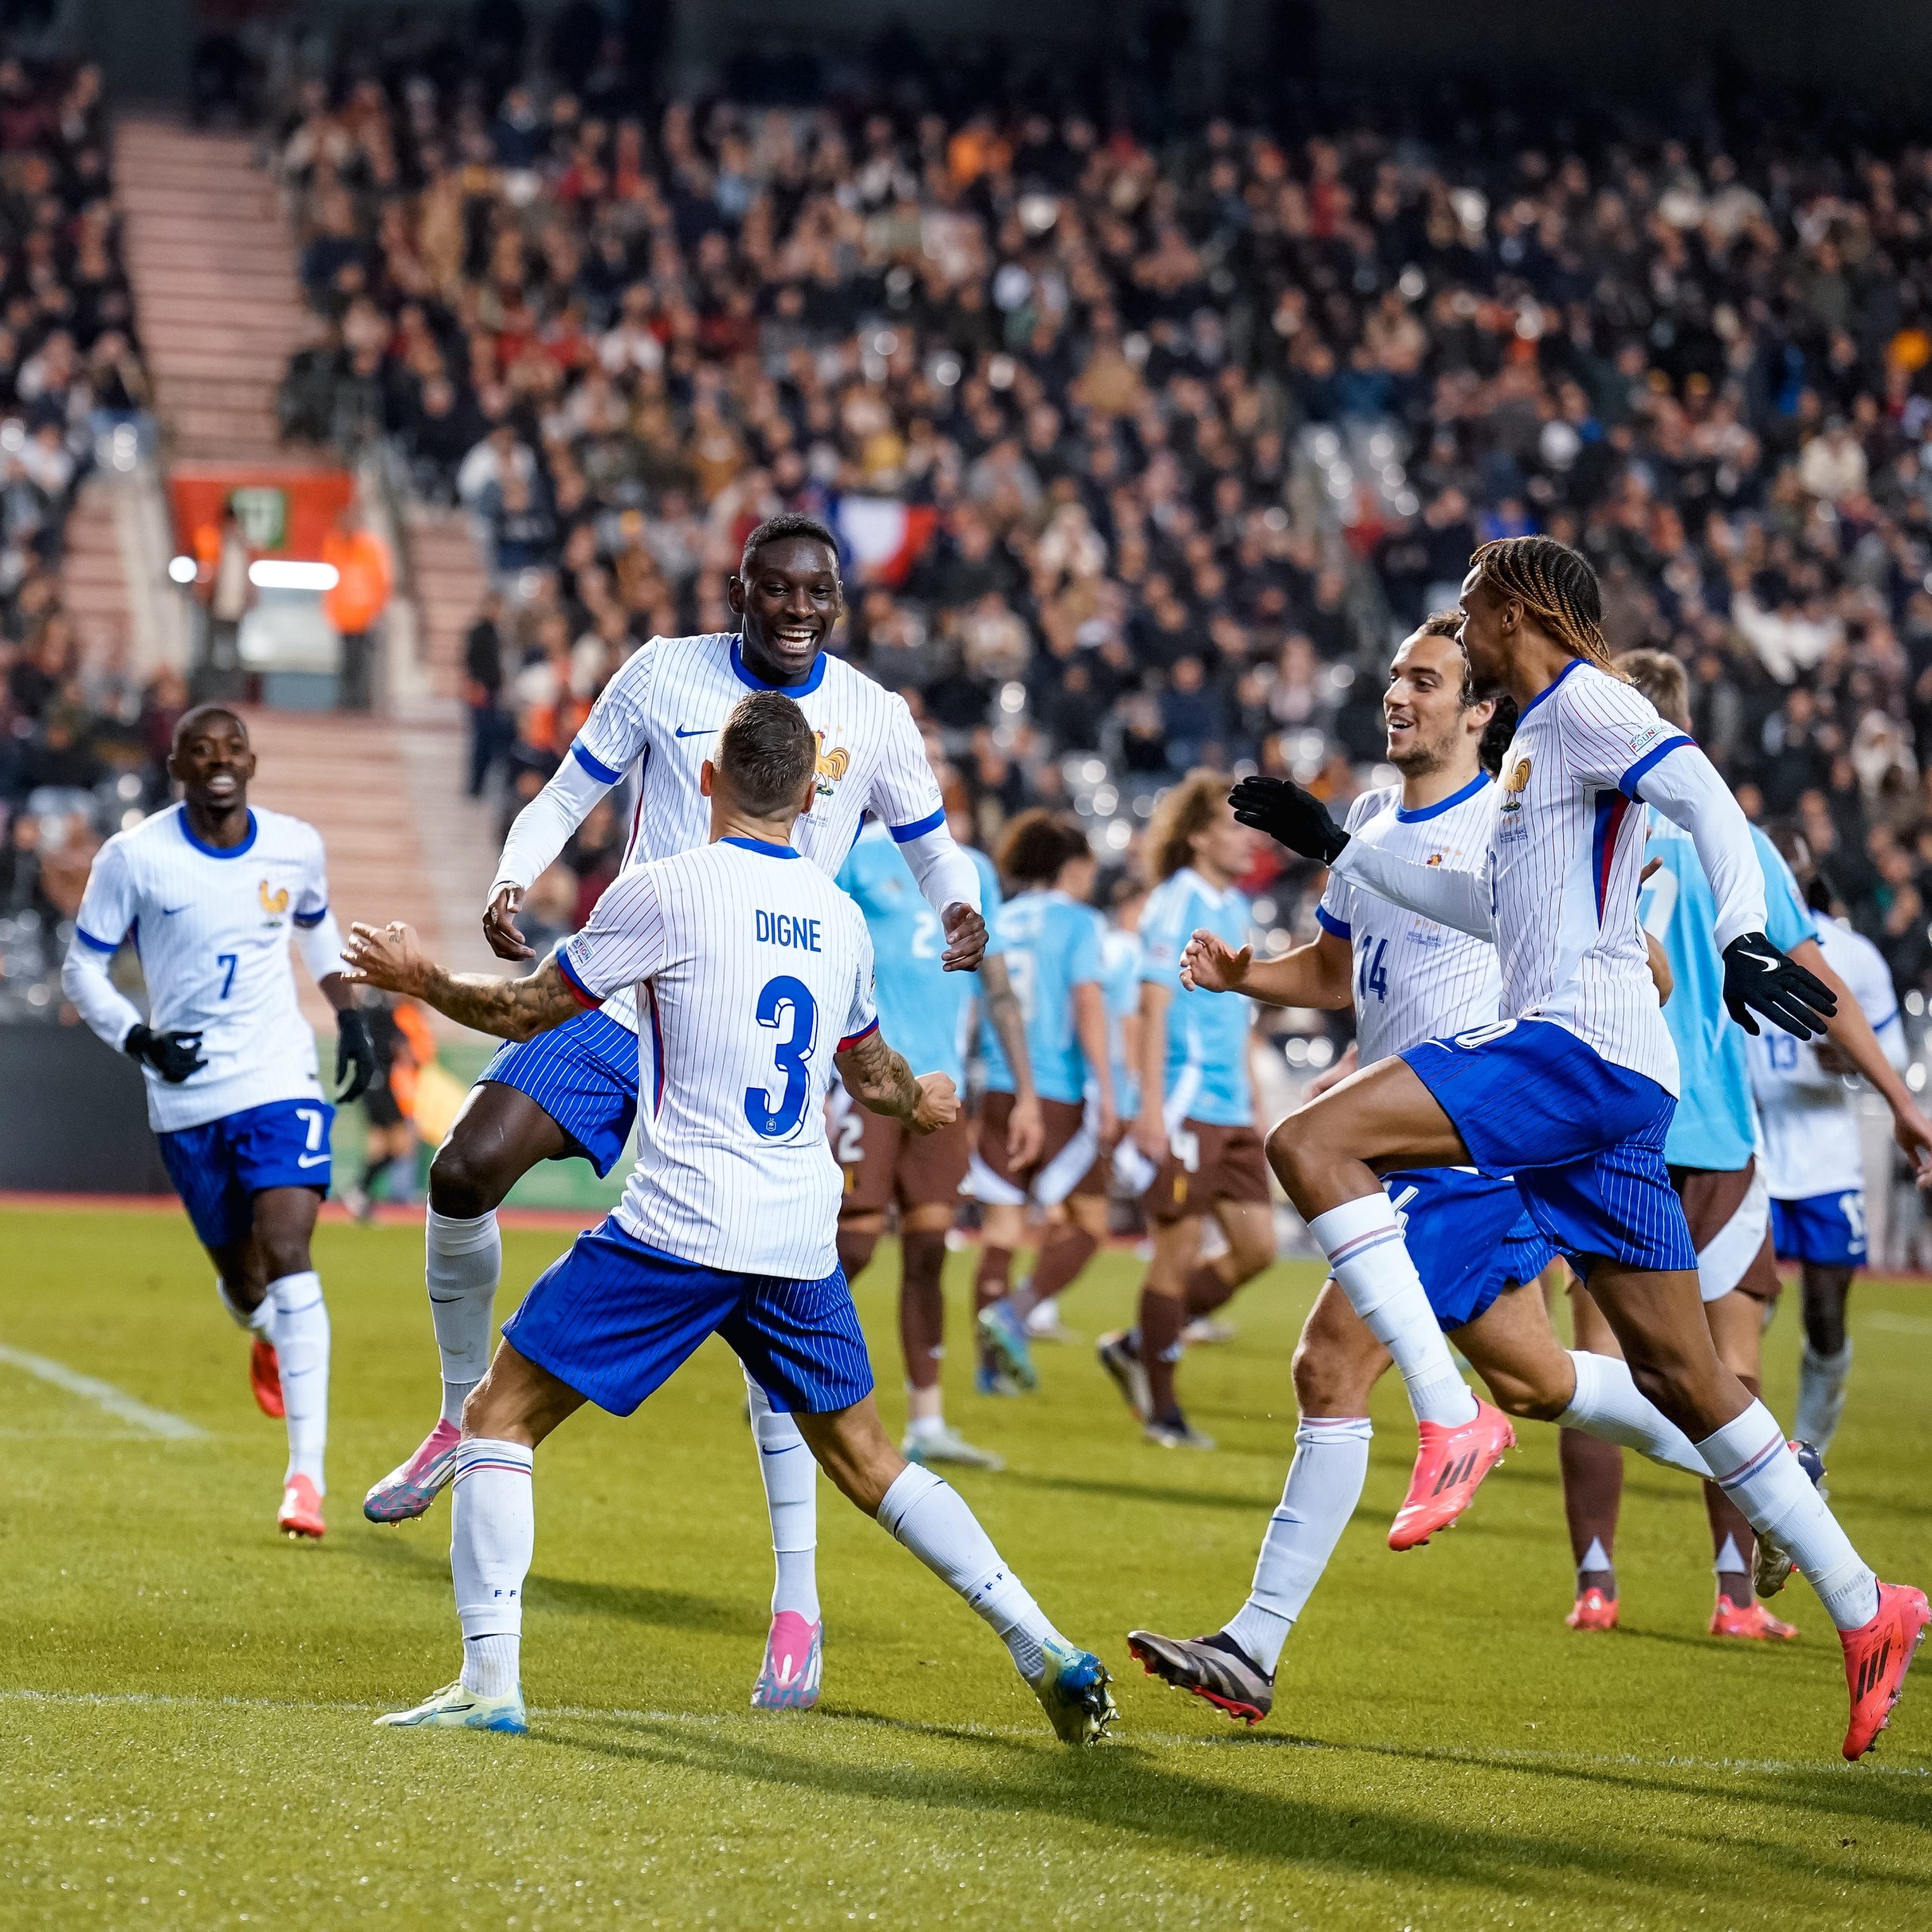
(1557, 585)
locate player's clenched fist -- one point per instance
(388, 956)
(1210, 965)
(939, 1104)
(500, 926)
(965, 939)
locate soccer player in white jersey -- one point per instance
(757, 973)
(1814, 1164)
(1572, 1090)
(1476, 1250)
(574, 1091)
(211, 893)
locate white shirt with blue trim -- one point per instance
(212, 928)
(663, 711)
(1415, 980)
(751, 972)
(1808, 1120)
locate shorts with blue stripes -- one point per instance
(1582, 1138)
(616, 1319)
(584, 1076)
(1469, 1235)
(219, 1168)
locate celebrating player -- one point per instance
(574, 1092)
(751, 965)
(1049, 938)
(213, 892)
(926, 1010)
(1195, 1126)
(1572, 1091)
(1477, 1251)
(1812, 1160)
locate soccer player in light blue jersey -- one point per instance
(927, 1011)
(1051, 940)
(1196, 1127)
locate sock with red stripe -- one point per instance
(492, 1537)
(1749, 1461)
(1363, 1242)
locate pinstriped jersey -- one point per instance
(1414, 980)
(663, 710)
(752, 970)
(1565, 858)
(211, 927)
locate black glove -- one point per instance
(355, 1056)
(1757, 978)
(1290, 815)
(173, 1056)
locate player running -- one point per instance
(1050, 939)
(1812, 1160)
(212, 893)
(927, 1010)
(1196, 1127)
(758, 973)
(574, 1091)
(1709, 1151)
(1573, 1091)
(1478, 1252)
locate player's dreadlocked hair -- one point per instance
(1502, 725)
(1189, 809)
(1558, 585)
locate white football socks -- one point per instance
(931, 1519)
(256, 1320)
(492, 1537)
(299, 1328)
(1820, 1395)
(1324, 1486)
(464, 1259)
(1749, 1462)
(1363, 1242)
(1609, 1405)
(791, 1495)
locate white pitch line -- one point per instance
(104, 1395)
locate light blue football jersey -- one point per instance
(1206, 1077)
(1120, 979)
(922, 1010)
(1716, 1123)
(1051, 944)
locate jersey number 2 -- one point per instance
(780, 997)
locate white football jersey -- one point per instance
(664, 709)
(1414, 980)
(752, 970)
(1566, 857)
(1808, 1124)
(211, 928)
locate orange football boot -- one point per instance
(301, 1511)
(265, 1377)
(1751, 1621)
(1877, 1656)
(1449, 1465)
(1594, 1611)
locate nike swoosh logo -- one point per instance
(1758, 958)
(703, 731)
(168, 911)
(310, 1160)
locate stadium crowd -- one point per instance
(82, 741)
(1144, 454)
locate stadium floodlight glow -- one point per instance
(181, 570)
(285, 573)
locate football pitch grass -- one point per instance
(186, 1699)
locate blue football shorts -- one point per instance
(1468, 1235)
(1826, 1229)
(584, 1076)
(1582, 1138)
(219, 1168)
(616, 1319)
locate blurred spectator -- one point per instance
(354, 603)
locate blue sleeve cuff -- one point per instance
(904, 835)
(1891, 1019)
(602, 773)
(87, 938)
(314, 918)
(1628, 782)
(576, 984)
(1328, 922)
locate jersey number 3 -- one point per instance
(784, 1000)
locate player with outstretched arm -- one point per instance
(211, 893)
(1572, 1090)
(755, 974)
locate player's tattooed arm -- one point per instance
(880, 1080)
(391, 957)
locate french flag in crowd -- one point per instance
(882, 537)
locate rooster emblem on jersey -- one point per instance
(832, 765)
(1519, 783)
(274, 900)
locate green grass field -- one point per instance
(186, 1699)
